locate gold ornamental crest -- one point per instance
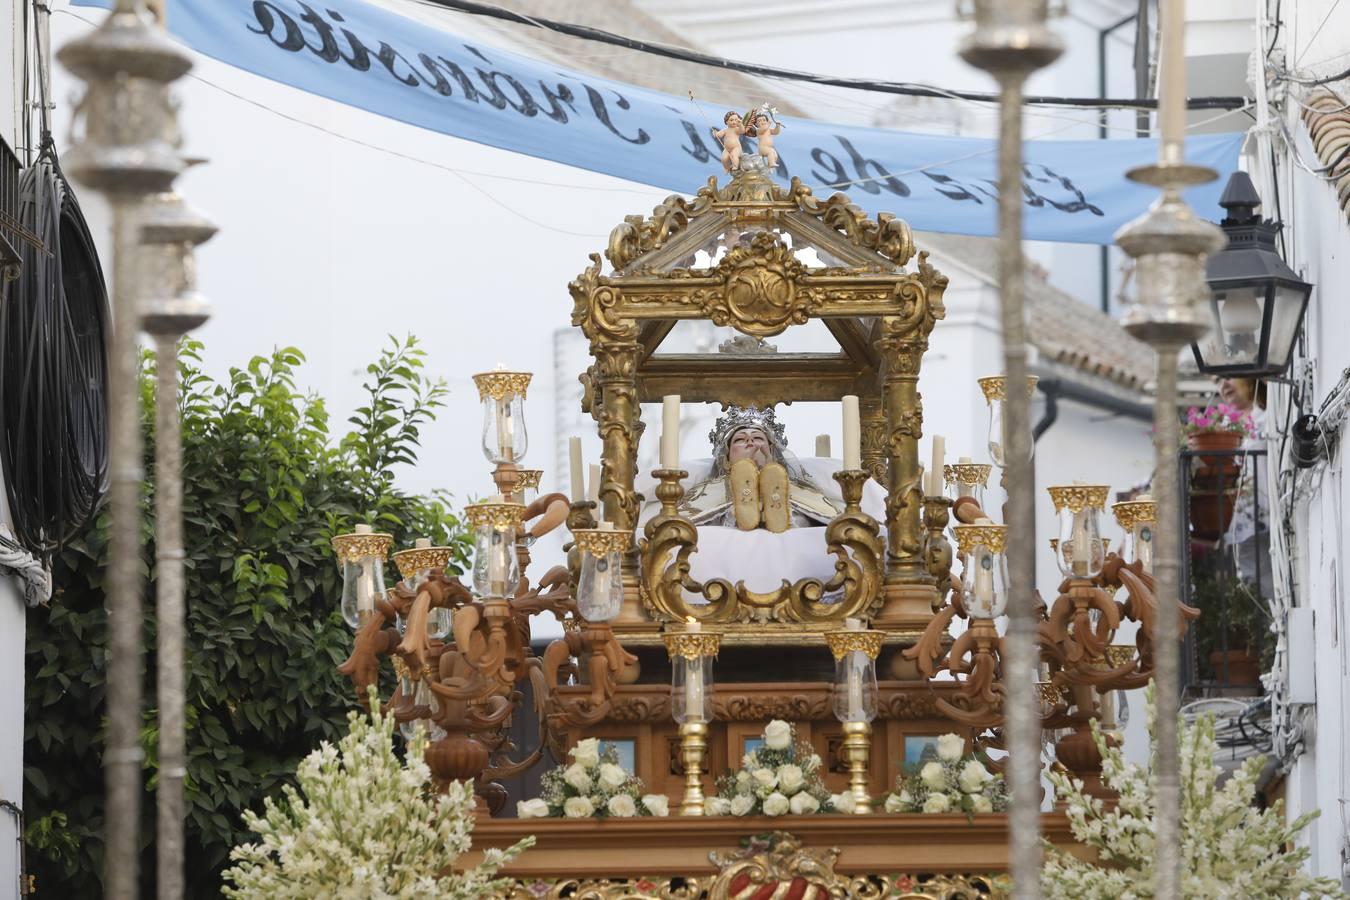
(760, 297)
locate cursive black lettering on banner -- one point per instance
(839, 179)
(262, 11)
(602, 113)
(872, 182)
(525, 105)
(556, 100)
(1079, 202)
(328, 48)
(954, 189)
(440, 83)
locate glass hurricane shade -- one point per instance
(691, 689)
(438, 620)
(496, 570)
(1257, 301)
(855, 687)
(362, 586)
(600, 586)
(1139, 544)
(998, 433)
(505, 439)
(1081, 552)
(984, 582)
(422, 695)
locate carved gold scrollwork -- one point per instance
(783, 863)
(887, 235)
(670, 539)
(760, 296)
(636, 235)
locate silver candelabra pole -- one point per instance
(1011, 41)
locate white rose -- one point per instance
(776, 804)
(803, 804)
(578, 807)
(933, 776)
(844, 802)
(611, 777)
(532, 809)
(742, 778)
(951, 747)
(621, 806)
(790, 779)
(777, 735)
(577, 776)
(741, 805)
(894, 804)
(973, 777)
(587, 753)
(936, 803)
(717, 806)
(982, 804)
(765, 778)
(659, 804)
(750, 760)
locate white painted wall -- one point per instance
(12, 611)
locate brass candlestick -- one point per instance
(693, 748)
(855, 653)
(851, 483)
(857, 748)
(692, 652)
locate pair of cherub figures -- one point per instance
(758, 124)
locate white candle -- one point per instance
(670, 431)
(852, 434)
(505, 431)
(1172, 84)
(593, 494)
(854, 663)
(578, 492)
(984, 585)
(606, 526)
(693, 678)
(963, 489)
(1082, 553)
(939, 459)
(823, 446)
(421, 543)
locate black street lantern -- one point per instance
(1258, 300)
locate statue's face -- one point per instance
(750, 443)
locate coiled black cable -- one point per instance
(54, 326)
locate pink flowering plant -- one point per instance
(1218, 417)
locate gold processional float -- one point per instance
(643, 639)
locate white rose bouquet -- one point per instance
(778, 779)
(954, 782)
(592, 785)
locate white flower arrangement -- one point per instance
(1229, 848)
(780, 778)
(954, 782)
(593, 785)
(363, 823)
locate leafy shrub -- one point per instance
(265, 489)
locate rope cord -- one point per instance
(54, 369)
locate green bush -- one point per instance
(265, 488)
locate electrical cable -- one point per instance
(586, 32)
(53, 368)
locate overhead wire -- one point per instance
(863, 84)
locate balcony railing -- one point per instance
(1226, 573)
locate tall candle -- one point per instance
(578, 486)
(852, 434)
(693, 678)
(1172, 78)
(939, 460)
(823, 446)
(670, 431)
(963, 489)
(593, 494)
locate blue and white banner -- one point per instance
(357, 53)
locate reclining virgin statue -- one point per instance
(760, 510)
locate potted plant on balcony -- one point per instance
(1233, 642)
(1213, 490)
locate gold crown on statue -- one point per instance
(738, 417)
